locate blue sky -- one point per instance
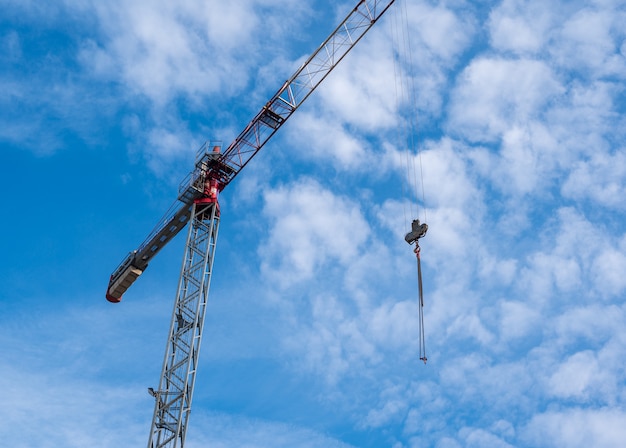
(312, 335)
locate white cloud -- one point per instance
(475, 437)
(574, 377)
(309, 226)
(518, 320)
(608, 270)
(324, 139)
(165, 64)
(600, 179)
(360, 91)
(527, 159)
(474, 378)
(470, 327)
(164, 147)
(391, 410)
(580, 36)
(193, 48)
(447, 176)
(55, 408)
(441, 30)
(561, 262)
(594, 323)
(493, 95)
(520, 26)
(333, 341)
(588, 42)
(601, 428)
(60, 386)
(40, 102)
(235, 431)
(11, 46)
(587, 119)
(44, 14)
(567, 265)
(394, 325)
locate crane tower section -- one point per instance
(178, 375)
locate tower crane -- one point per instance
(197, 206)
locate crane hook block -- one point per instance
(417, 231)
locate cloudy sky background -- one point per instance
(312, 335)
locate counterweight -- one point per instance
(197, 203)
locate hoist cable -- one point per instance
(401, 136)
(411, 98)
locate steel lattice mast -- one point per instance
(197, 203)
(173, 397)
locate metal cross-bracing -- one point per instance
(175, 391)
(298, 88)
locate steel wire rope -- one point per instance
(413, 110)
(399, 138)
(405, 91)
(404, 138)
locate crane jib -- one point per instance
(300, 86)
